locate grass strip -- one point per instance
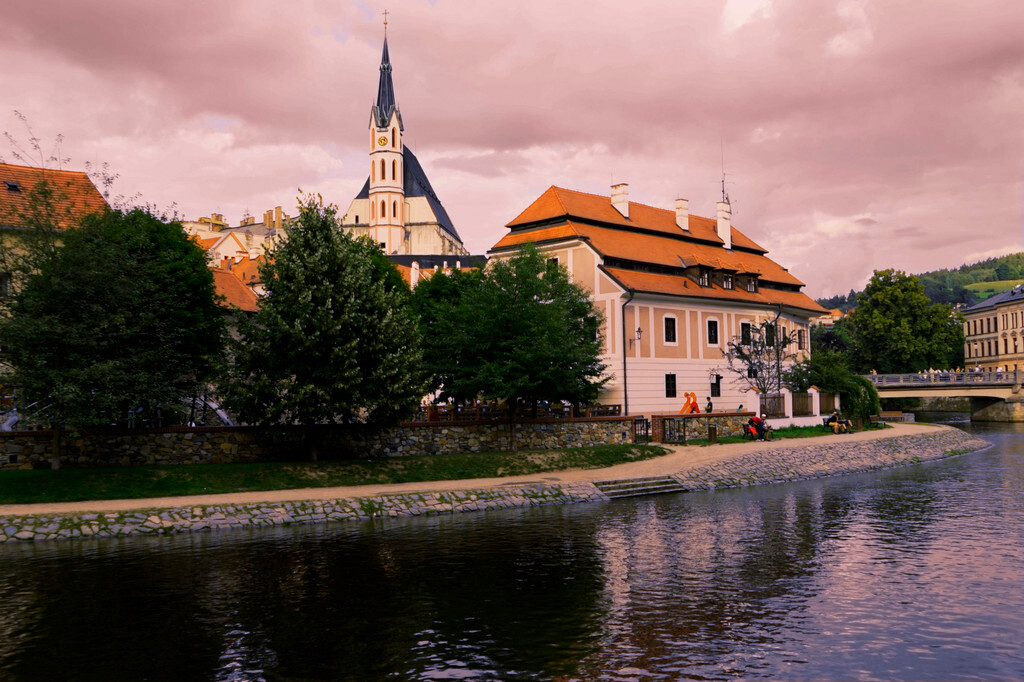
(70, 485)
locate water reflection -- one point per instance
(912, 573)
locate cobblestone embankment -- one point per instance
(769, 465)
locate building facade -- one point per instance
(397, 207)
(994, 332)
(674, 290)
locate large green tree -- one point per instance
(431, 299)
(118, 316)
(526, 333)
(896, 328)
(333, 341)
(828, 370)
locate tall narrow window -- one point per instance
(383, 170)
(769, 335)
(392, 138)
(744, 333)
(716, 386)
(670, 330)
(394, 170)
(712, 332)
(383, 210)
(801, 339)
(670, 385)
(394, 209)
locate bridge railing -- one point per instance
(945, 378)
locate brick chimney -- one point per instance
(683, 214)
(724, 227)
(620, 198)
(277, 217)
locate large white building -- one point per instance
(674, 289)
(397, 207)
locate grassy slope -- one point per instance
(985, 289)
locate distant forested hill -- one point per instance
(967, 284)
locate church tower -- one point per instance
(397, 207)
(387, 195)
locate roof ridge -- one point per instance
(44, 170)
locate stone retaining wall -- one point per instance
(768, 465)
(205, 445)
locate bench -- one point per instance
(876, 420)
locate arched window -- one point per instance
(373, 211)
(394, 170)
(392, 138)
(394, 209)
(383, 210)
(373, 171)
(383, 174)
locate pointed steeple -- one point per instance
(385, 92)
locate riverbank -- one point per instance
(696, 468)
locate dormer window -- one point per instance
(704, 278)
(752, 285)
(12, 186)
(727, 282)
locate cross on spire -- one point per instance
(385, 13)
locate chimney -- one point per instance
(277, 217)
(620, 198)
(683, 214)
(414, 276)
(268, 218)
(724, 227)
(225, 263)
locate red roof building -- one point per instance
(674, 290)
(74, 196)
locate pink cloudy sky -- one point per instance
(857, 134)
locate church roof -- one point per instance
(386, 102)
(415, 184)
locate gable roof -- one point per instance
(74, 194)
(234, 291)
(415, 184)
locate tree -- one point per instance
(760, 357)
(430, 299)
(828, 370)
(897, 329)
(332, 341)
(526, 333)
(119, 317)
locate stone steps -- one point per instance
(629, 487)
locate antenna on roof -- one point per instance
(385, 13)
(725, 195)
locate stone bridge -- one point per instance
(994, 396)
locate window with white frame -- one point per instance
(712, 332)
(670, 329)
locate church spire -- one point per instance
(385, 92)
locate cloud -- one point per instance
(885, 133)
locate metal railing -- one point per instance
(947, 378)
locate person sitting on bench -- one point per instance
(839, 425)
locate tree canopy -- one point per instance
(896, 328)
(524, 333)
(333, 341)
(118, 315)
(828, 370)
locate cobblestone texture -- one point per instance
(771, 465)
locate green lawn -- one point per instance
(985, 289)
(67, 485)
(778, 434)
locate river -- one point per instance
(914, 573)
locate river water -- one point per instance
(915, 573)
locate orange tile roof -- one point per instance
(680, 285)
(655, 249)
(234, 291)
(558, 202)
(205, 244)
(74, 191)
(249, 269)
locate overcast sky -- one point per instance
(856, 134)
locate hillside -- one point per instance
(967, 284)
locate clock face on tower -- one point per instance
(382, 141)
